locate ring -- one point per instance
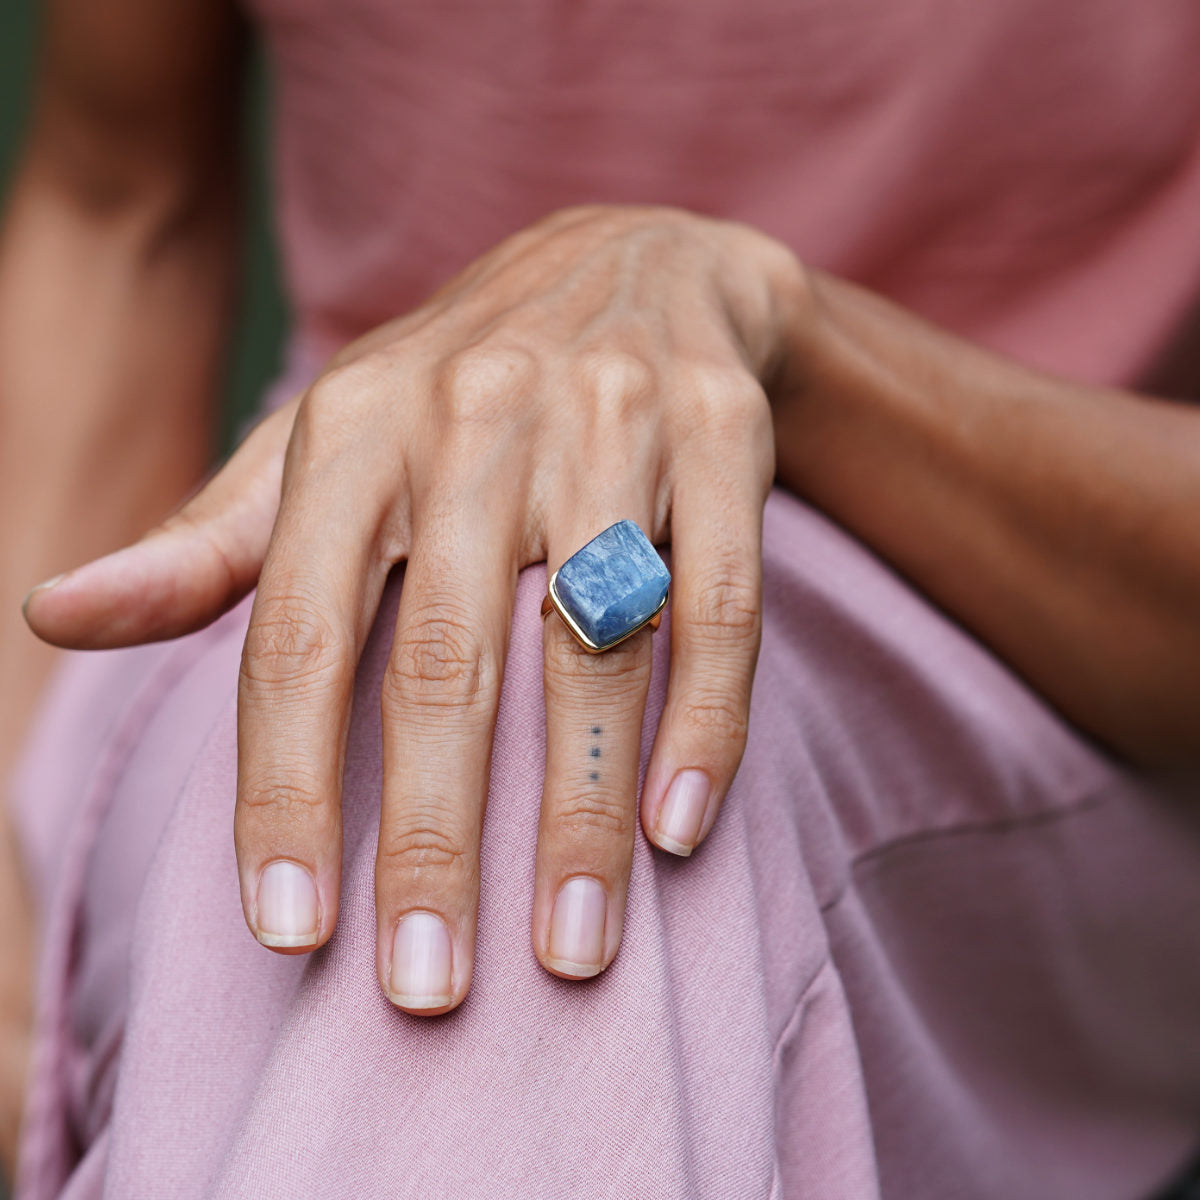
(614, 586)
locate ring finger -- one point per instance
(594, 709)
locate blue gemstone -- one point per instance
(614, 585)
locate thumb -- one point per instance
(185, 572)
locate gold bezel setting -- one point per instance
(552, 601)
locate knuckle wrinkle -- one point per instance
(438, 658)
(595, 813)
(720, 718)
(289, 642)
(726, 607)
(418, 847)
(288, 795)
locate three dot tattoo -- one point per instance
(594, 776)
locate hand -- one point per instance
(605, 363)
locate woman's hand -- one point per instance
(606, 363)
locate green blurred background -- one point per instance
(262, 317)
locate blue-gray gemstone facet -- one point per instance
(614, 585)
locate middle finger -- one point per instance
(440, 695)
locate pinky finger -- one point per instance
(716, 625)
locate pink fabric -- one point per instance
(1026, 172)
(935, 937)
(962, 941)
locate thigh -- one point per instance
(1010, 913)
(657, 1079)
(785, 1016)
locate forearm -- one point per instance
(111, 331)
(116, 258)
(112, 321)
(1056, 522)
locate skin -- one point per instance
(472, 470)
(117, 254)
(652, 364)
(612, 362)
(1055, 521)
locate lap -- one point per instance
(934, 936)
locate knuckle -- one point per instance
(478, 380)
(716, 717)
(347, 381)
(290, 642)
(729, 398)
(569, 668)
(199, 528)
(615, 380)
(294, 796)
(419, 843)
(439, 659)
(329, 416)
(589, 813)
(725, 607)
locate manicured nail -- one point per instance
(421, 959)
(288, 913)
(682, 812)
(577, 928)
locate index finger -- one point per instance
(320, 586)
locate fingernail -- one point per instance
(288, 913)
(43, 587)
(577, 928)
(682, 812)
(421, 957)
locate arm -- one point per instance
(116, 255)
(1057, 522)
(611, 362)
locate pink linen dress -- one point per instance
(939, 947)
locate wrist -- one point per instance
(769, 296)
(819, 380)
(867, 380)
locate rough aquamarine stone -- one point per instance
(615, 584)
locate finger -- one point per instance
(439, 700)
(319, 590)
(716, 622)
(594, 709)
(183, 574)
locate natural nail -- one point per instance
(577, 928)
(421, 960)
(43, 587)
(682, 812)
(288, 913)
